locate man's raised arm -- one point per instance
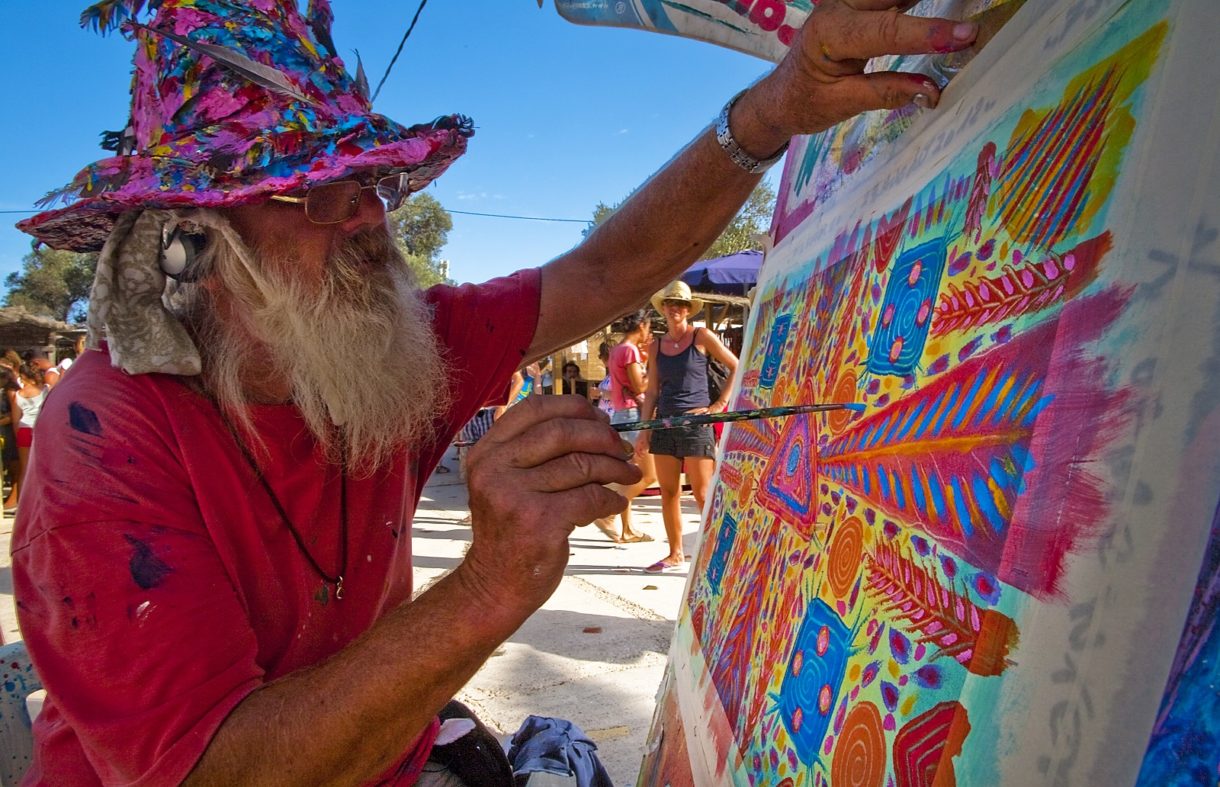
(681, 210)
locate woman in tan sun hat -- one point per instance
(677, 383)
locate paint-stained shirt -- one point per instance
(156, 583)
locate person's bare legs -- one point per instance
(669, 478)
(648, 468)
(699, 470)
(23, 459)
(14, 472)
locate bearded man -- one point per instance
(212, 559)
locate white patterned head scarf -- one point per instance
(127, 305)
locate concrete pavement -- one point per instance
(594, 653)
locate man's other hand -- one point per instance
(537, 474)
(822, 82)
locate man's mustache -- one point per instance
(372, 244)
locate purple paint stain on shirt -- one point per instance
(147, 569)
(84, 420)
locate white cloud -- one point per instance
(467, 196)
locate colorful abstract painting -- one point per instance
(1004, 570)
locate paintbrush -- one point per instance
(675, 421)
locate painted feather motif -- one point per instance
(914, 599)
(1021, 289)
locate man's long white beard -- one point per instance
(357, 349)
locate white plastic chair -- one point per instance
(17, 681)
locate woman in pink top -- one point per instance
(627, 384)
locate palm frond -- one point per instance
(107, 15)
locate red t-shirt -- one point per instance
(157, 586)
(622, 356)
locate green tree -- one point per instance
(420, 228)
(53, 283)
(753, 219)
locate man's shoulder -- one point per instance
(95, 387)
(492, 317)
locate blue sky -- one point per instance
(566, 115)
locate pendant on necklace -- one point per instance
(339, 589)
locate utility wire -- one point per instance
(520, 218)
(401, 43)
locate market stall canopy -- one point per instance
(731, 275)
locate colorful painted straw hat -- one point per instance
(232, 102)
(676, 291)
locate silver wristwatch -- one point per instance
(742, 159)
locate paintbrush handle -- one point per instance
(676, 421)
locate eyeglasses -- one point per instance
(675, 302)
(331, 203)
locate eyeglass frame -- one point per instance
(391, 199)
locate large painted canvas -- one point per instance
(1004, 570)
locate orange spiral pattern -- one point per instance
(845, 551)
(859, 758)
(844, 391)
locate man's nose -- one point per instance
(371, 213)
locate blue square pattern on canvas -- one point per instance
(720, 558)
(813, 678)
(906, 312)
(773, 356)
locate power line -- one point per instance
(519, 218)
(401, 43)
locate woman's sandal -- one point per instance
(636, 538)
(606, 525)
(663, 566)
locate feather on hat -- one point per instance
(233, 102)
